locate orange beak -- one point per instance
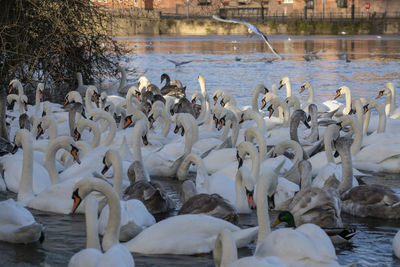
(74, 153)
(263, 104)
(96, 99)
(40, 96)
(25, 106)
(221, 124)
(10, 89)
(151, 122)
(66, 102)
(137, 94)
(271, 111)
(77, 201)
(302, 89)
(128, 122)
(215, 100)
(380, 94)
(337, 94)
(250, 200)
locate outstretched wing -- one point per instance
(253, 28)
(179, 63)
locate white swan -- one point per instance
(38, 98)
(344, 90)
(21, 172)
(91, 96)
(390, 106)
(134, 215)
(98, 114)
(17, 225)
(326, 106)
(115, 253)
(259, 90)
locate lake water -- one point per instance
(237, 64)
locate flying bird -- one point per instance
(177, 64)
(252, 29)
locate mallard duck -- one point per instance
(338, 235)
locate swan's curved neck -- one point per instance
(263, 186)
(357, 105)
(235, 130)
(123, 78)
(52, 127)
(225, 251)
(358, 135)
(310, 94)
(100, 114)
(203, 112)
(184, 168)
(347, 93)
(392, 90)
(347, 172)
(83, 123)
(288, 89)
(382, 117)
(252, 133)
(25, 193)
(116, 163)
(88, 99)
(111, 236)
(92, 233)
(254, 99)
(194, 127)
(138, 131)
(254, 156)
(286, 112)
(166, 121)
(256, 116)
(331, 133)
(241, 198)
(64, 142)
(37, 101)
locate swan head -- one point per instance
(82, 188)
(342, 146)
(14, 84)
(77, 134)
(179, 125)
(304, 86)
(164, 76)
(74, 152)
(297, 116)
(270, 110)
(103, 98)
(338, 93)
(365, 108)
(261, 88)
(216, 95)
(128, 121)
(285, 217)
(18, 138)
(40, 89)
(220, 117)
(284, 81)
(312, 110)
(107, 161)
(151, 121)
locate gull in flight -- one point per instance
(177, 64)
(251, 29)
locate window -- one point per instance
(342, 3)
(205, 2)
(310, 4)
(288, 1)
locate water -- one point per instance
(374, 61)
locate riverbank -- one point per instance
(132, 24)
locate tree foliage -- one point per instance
(50, 40)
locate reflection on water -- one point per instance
(373, 62)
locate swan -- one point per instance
(153, 196)
(197, 234)
(24, 174)
(344, 90)
(390, 106)
(286, 81)
(15, 84)
(275, 102)
(217, 94)
(158, 113)
(91, 95)
(396, 244)
(249, 114)
(259, 90)
(47, 123)
(123, 87)
(228, 102)
(223, 115)
(22, 101)
(115, 253)
(382, 202)
(134, 215)
(324, 107)
(38, 98)
(210, 204)
(368, 106)
(17, 225)
(227, 188)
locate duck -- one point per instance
(210, 204)
(382, 201)
(17, 224)
(114, 252)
